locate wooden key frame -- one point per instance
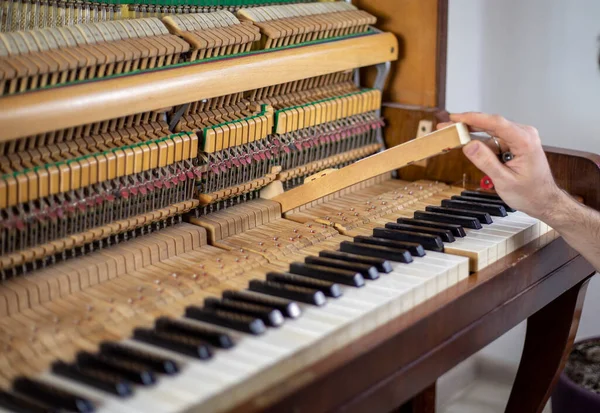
(402, 155)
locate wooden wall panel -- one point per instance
(418, 77)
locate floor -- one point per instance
(483, 396)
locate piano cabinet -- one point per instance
(394, 367)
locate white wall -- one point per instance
(535, 62)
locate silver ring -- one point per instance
(497, 144)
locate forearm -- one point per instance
(577, 224)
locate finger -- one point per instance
(517, 139)
(442, 116)
(492, 145)
(443, 125)
(530, 130)
(486, 161)
(489, 142)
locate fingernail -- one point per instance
(471, 149)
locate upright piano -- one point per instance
(170, 241)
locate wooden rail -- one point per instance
(78, 104)
(397, 157)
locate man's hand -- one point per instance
(525, 183)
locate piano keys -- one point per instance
(388, 294)
(275, 308)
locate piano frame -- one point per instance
(399, 362)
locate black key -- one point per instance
(291, 292)
(19, 404)
(321, 272)
(174, 342)
(229, 319)
(493, 210)
(456, 230)
(429, 242)
(444, 234)
(483, 217)
(288, 308)
(484, 201)
(99, 380)
(367, 271)
(382, 265)
(328, 288)
(377, 251)
(210, 335)
(466, 222)
(158, 364)
(479, 194)
(52, 395)
(416, 250)
(272, 317)
(128, 370)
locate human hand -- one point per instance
(525, 183)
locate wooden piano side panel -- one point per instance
(577, 172)
(419, 76)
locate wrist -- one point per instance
(556, 209)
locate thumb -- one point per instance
(485, 160)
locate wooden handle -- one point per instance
(416, 150)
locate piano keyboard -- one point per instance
(485, 237)
(186, 324)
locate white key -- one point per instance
(499, 238)
(426, 272)
(310, 325)
(461, 263)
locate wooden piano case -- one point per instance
(394, 369)
(399, 362)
